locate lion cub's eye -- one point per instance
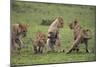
(24, 31)
(61, 23)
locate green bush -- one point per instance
(46, 22)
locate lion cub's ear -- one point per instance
(20, 25)
(60, 17)
(27, 25)
(24, 25)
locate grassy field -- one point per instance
(33, 13)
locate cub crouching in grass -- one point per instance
(39, 43)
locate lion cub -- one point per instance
(39, 43)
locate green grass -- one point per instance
(52, 58)
(33, 13)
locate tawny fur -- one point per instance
(54, 29)
(18, 31)
(80, 36)
(39, 42)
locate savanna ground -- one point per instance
(33, 14)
